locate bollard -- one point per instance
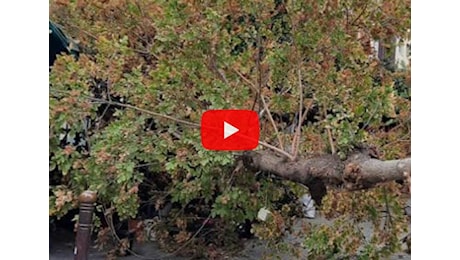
(87, 200)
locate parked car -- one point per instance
(59, 43)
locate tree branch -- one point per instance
(265, 105)
(270, 118)
(358, 171)
(114, 103)
(296, 139)
(276, 149)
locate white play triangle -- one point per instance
(229, 130)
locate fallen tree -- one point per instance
(124, 118)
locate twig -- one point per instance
(192, 238)
(347, 13)
(329, 134)
(276, 149)
(331, 141)
(83, 31)
(147, 112)
(214, 68)
(361, 13)
(252, 86)
(371, 116)
(246, 80)
(389, 218)
(304, 116)
(296, 139)
(87, 139)
(259, 71)
(270, 118)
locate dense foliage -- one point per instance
(144, 59)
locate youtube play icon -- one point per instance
(230, 130)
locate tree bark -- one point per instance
(358, 171)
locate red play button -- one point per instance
(230, 130)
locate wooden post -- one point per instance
(85, 221)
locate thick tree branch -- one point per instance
(358, 171)
(301, 170)
(362, 172)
